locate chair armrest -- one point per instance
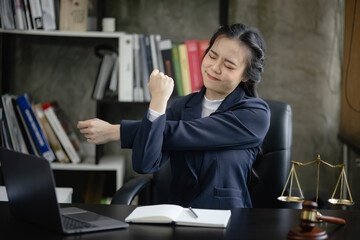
(129, 190)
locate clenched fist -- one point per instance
(161, 87)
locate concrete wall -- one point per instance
(303, 65)
(303, 68)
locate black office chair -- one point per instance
(272, 170)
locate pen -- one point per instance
(193, 212)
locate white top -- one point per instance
(209, 106)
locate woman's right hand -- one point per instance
(161, 87)
(98, 131)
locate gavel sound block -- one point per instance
(307, 229)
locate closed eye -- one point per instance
(212, 55)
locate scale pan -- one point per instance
(336, 201)
(290, 199)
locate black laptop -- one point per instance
(31, 192)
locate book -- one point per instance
(146, 68)
(5, 133)
(73, 15)
(32, 123)
(60, 133)
(1, 20)
(148, 60)
(160, 60)
(105, 71)
(57, 14)
(2, 139)
(48, 13)
(177, 70)
(184, 66)
(19, 13)
(126, 74)
(170, 213)
(165, 48)
(138, 88)
(192, 47)
(36, 14)
(27, 14)
(153, 50)
(4, 129)
(114, 77)
(51, 137)
(166, 55)
(68, 127)
(16, 136)
(7, 14)
(203, 45)
(28, 138)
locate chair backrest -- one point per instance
(273, 169)
(275, 166)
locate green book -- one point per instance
(177, 70)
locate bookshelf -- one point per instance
(97, 162)
(104, 108)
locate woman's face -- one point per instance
(222, 67)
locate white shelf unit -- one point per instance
(57, 33)
(64, 195)
(106, 163)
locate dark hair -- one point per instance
(252, 39)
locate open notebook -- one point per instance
(169, 213)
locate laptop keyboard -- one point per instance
(70, 223)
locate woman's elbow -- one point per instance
(144, 165)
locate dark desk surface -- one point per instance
(244, 224)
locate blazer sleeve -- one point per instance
(238, 129)
(146, 140)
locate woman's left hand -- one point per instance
(161, 87)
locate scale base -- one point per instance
(298, 233)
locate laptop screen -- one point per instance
(30, 188)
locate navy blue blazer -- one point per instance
(211, 157)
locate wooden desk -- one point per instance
(244, 224)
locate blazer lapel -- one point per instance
(193, 107)
(232, 99)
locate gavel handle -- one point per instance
(331, 219)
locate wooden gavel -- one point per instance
(330, 219)
(309, 216)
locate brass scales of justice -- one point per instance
(332, 200)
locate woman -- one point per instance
(211, 137)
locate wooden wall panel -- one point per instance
(350, 95)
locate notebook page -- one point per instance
(206, 218)
(162, 213)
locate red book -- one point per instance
(192, 47)
(203, 45)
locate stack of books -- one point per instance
(44, 14)
(125, 75)
(38, 129)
